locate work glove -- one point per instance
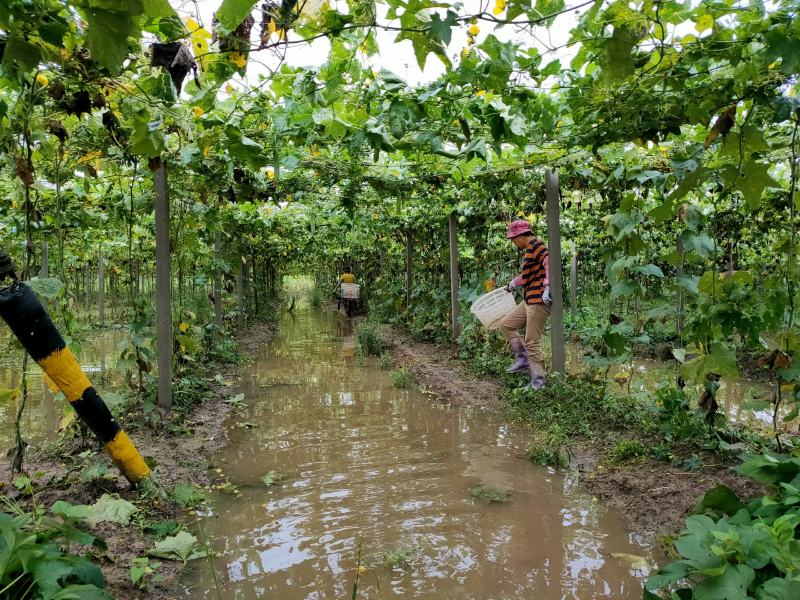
(546, 296)
(511, 286)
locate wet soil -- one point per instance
(182, 454)
(653, 497)
(439, 372)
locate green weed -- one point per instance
(368, 339)
(188, 495)
(33, 546)
(400, 378)
(625, 451)
(729, 544)
(399, 558)
(386, 361)
(552, 449)
(315, 296)
(143, 572)
(488, 494)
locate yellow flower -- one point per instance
(465, 52)
(470, 40)
(363, 49)
(473, 30)
(184, 327)
(230, 89)
(238, 59)
(270, 172)
(314, 150)
(480, 93)
(198, 112)
(206, 150)
(41, 80)
(499, 6)
(271, 26)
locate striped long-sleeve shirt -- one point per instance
(535, 274)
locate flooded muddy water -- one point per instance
(97, 355)
(388, 474)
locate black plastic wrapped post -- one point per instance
(31, 324)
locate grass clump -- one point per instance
(552, 449)
(574, 406)
(489, 494)
(625, 451)
(400, 378)
(369, 340)
(386, 361)
(315, 296)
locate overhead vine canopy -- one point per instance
(676, 116)
(647, 73)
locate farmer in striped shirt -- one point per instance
(533, 311)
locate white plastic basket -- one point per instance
(350, 291)
(492, 307)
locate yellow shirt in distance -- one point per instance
(348, 278)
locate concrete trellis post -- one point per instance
(556, 291)
(163, 289)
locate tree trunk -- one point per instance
(163, 289)
(554, 250)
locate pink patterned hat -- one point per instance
(518, 227)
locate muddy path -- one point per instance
(653, 497)
(412, 496)
(182, 452)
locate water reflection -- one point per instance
(97, 356)
(642, 375)
(391, 470)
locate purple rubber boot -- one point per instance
(521, 352)
(537, 375)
